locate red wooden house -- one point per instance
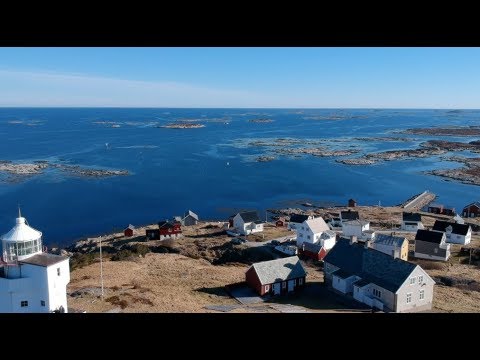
(129, 230)
(472, 210)
(169, 229)
(276, 276)
(280, 222)
(312, 251)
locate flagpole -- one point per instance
(101, 266)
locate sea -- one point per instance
(212, 170)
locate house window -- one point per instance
(338, 280)
(422, 294)
(308, 236)
(435, 250)
(412, 281)
(58, 271)
(420, 279)
(300, 281)
(24, 303)
(42, 302)
(284, 285)
(267, 287)
(301, 235)
(409, 298)
(303, 228)
(377, 293)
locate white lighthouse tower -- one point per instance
(31, 280)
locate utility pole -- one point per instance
(101, 266)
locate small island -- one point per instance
(182, 126)
(447, 131)
(24, 170)
(262, 120)
(265, 158)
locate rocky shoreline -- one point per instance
(37, 167)
(469, 174)
(22, 169)
(447, 131)
(265, 158)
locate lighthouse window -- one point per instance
(42, 302)
(58, 271)
(24, 303)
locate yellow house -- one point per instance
(395, 246)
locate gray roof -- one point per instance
(408, 216)
(44, 259)
(357, 222)
(361, 283)
(192, 214)
(349, 215)
(314, 248)
(130, 226)
(297, 218)
(429, 236)
(370, 265)
(475, 203)
(391, 240)
(461, 229)
(272, 271)
(342, 274)
(249, 216)
(317, 225)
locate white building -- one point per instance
(31, 281)
(316, 231)
(411, 222)
(355, 228)
(247, 222)
(455, 233)
(296, 220)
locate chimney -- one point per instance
(353, 239)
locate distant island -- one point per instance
(182, 126)
(262, 120)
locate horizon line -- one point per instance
(240, 107)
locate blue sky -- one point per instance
(241, 77)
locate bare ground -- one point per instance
(188, 281)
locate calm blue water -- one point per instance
(210, 170)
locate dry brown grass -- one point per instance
(174, 284)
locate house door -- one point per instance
(276, 289)
(291, 285)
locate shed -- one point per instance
(313, 251)
(129, 230)
(152, 234)
(352, 203)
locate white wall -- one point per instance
(328, 243)
(418, 225)
(31, 287)
(355, 230)
(414, 289)
(246, 228)
(386, 249)
(304, 234)
(57, 285)
(460, 239)
(344, 285)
